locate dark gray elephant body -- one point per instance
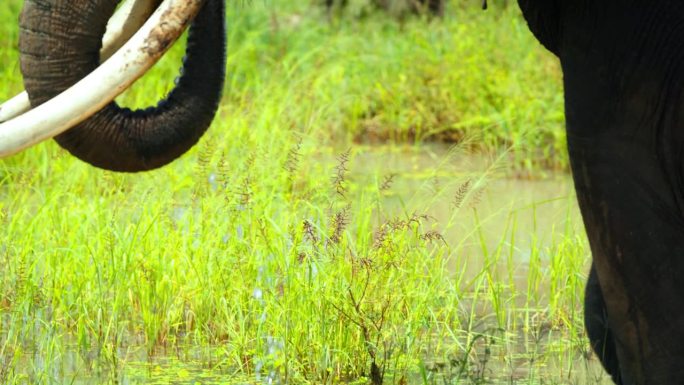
(623, 67)
(60, 41)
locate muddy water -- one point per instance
(503, 221)
(501, 214)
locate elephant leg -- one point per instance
(598, 331)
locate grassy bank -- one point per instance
(374, 79)
(264, 255)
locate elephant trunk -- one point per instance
(60, 43)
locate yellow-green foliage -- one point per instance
(260, 253)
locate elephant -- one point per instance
(623, 86)
(60, 42)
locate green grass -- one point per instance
(272, 252)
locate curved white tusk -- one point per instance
(101, 86)
(130, 16)
(127, 19)
(14, 107)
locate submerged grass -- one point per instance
(264, 256)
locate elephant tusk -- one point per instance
(14, 107)
(101, 86)
(127, 19)
(130, 16)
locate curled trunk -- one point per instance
(60, 43)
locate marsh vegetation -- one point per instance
(378, 201)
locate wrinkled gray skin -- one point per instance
(60, 41)
(623, 71)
